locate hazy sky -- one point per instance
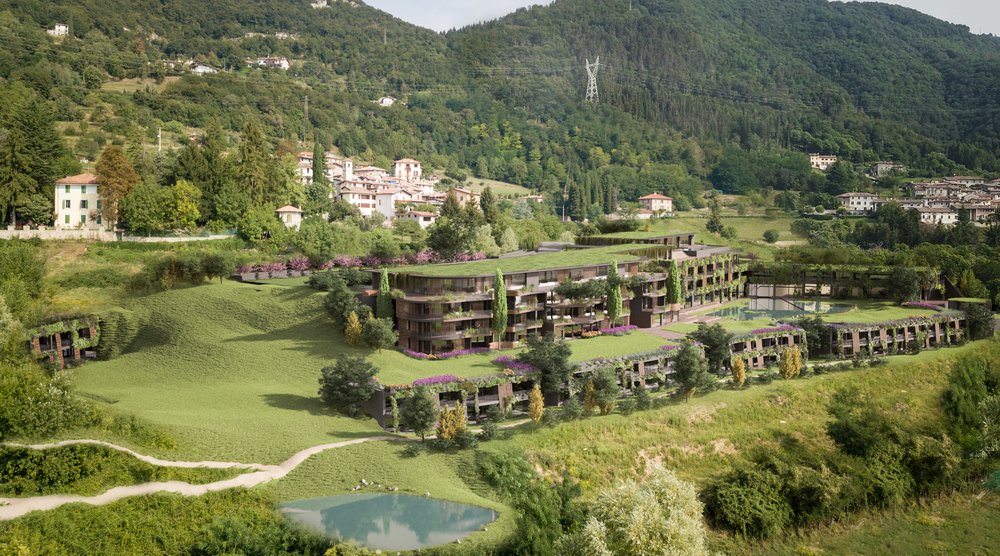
(982, 16)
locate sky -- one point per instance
(982, 16)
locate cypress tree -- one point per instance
(614, 293)
(499, 323)
(383, 304)
(319, 164)
(674, 291)
(255, 160)
(488, 203)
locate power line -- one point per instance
(593, 95)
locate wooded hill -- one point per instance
(686, 85)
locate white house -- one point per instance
(269, 63)
(425, 219)
(78, 203)
(290, 216)
(203, 69)
(358, 197)
(58, 30)
(407, 169)
(938, 215)
(657, 203)
(386, 101)
(884, 168)
(385, 202)
(822, 161)
(464, 196)
(304, 169)
(857, 202)
(967, 181)
(339, 168)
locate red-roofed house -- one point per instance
(407, 169)
(425, 219)
(659, 204)
(78, 203)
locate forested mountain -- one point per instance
(726, 91)
(863, 80)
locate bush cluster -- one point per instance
(119, 327)
(190, 267)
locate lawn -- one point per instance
(231, 370)
(502, 189)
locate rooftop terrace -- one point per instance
(570, 258)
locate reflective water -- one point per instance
(389, 521)
(778, 309)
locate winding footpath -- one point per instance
(13, 508)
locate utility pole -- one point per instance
(592, 93)
(159, 140)
(306, 110)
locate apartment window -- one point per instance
(98, 204)
(67, 189)
(83, 204)
(66, 219)
(83, 189)
(66, 204)
(83, 219)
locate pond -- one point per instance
(389, 521)
(778, 309)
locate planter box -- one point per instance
(262, 275)
(246, 277)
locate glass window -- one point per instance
(83, 218)
(98, 204)
(67, 189)
(83, 204)
(83, 189)
(66, 219)
(66, 203)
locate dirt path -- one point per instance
(13, 508)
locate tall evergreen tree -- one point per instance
(614, 282)
(383, 303)
(16, 183)
(116, 178)
(319, 164)
(499, 322)
(451, 207)
(255, 159)
(489, 206)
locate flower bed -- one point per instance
(923, 305)
(439, 379)
(445, 355)
(775, 330)
(513, 364)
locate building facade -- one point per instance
(78, 203)
(658, 204)
(822, 162)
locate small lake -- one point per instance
(389, 521)
(778, 309)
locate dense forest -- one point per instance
(725, 92)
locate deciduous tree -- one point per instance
(348, 383)
(420, 411)
(378, 334)
(116, 178)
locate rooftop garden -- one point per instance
(543, 261)
(641, 235)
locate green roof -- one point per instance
(542, 261)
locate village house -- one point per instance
(78, 203)
(269, 62)
(938, 215)
(339, 169)
(822, 161)
(967, 181)
(657, 204)
(58, 30)
(857, 202)
(537, 199)
(386, 101)
(371, 173)
(424, 219)
(304, 169)
(290, 216)
(407, 169)
(202, 69)
(977, 212)
(464, 196)
(358, 197)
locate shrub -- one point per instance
(96, 278)
(33, 405)
(348, 384)
(572, 410)
(771, 236)
(643, 400)
(748, 501)
(626, 406)
(858, 427)
(887, 479)
(489, 430)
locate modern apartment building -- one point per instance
(449, 307)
